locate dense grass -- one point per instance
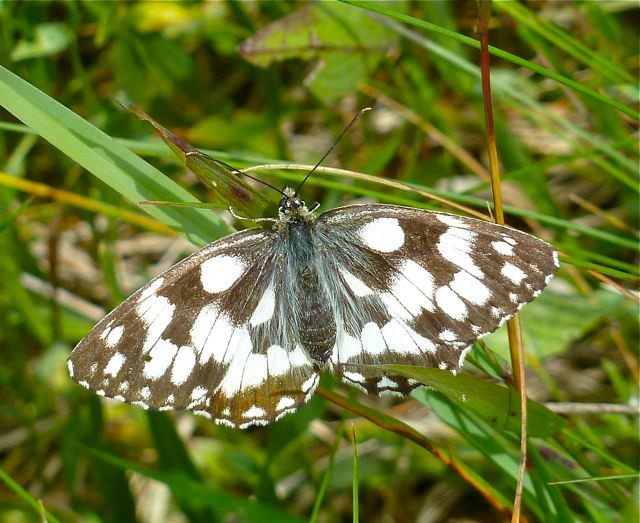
(272, 82)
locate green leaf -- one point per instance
(347, 43)
(50, 38)
(496, 404)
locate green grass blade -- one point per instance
(27, 498)
(100, 154)
(497, 52)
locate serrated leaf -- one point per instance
(497, 405)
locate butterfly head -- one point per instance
(292, 209)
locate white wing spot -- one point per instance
(443, 365)
(198, 393)
(115, 364)
(513, 297)
(253, 422)
(357, 286)
(309, 385)
(254, 412)
(470, 288)
(509, 240)
(150, 289)
(415, 278)
(347, 347)
(161, 355)
(402, 339)
(255, 370)
(356, 385)
(372, 341)
(451, 304)
(395, 308)
(70, 367)
(388, 392)
(156, 312)
(277, 360)
(246, 369)
(453, 221)
(448, 335)
(265, 308)
(354, 376)
(383, 235)
(503, 248)
(387, 383)
(513, 273)
(183, 365)
(145, 392)
(455, 245)
(298, 357)
(285, 402)
(114, 336)
(219, 273)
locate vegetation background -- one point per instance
(265, 82)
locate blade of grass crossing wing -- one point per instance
(105, 158)
(223, 180)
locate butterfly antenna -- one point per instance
(349, 125)
(242, 173)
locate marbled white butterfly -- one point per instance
(240, 331)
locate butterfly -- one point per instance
(241, 330)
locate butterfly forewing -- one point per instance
(418, 287)
(202, 336)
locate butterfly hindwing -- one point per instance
(420, 287)
(203, 336)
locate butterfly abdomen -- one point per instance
(317, 323)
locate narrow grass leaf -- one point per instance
(100, 154)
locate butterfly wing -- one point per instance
(204, 336)
(419, 287)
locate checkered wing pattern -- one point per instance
(203, 336)
(240, 331)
